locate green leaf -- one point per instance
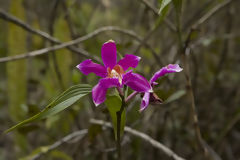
(178, 6)
(63, 101)
(57, 154)
(175, 96)
(114, 104)
(42, 149)
(163, 4)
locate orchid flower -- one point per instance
(114, 73)
(149, 96)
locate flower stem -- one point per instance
(120, 91)
(131, 96)
(119, 119)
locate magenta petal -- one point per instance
(136, 82)
(100, 90)
(129, 60)
(109, 54)
(171, 68)
(88, 66)
(145, 101)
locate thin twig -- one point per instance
(65, 139)
(143, 136)
(209, 14)
(52, 19)
(155, 11)
(229, 126)
(184, 51)
(144, 42)
(224, 53)
(73, 42)
(198, 13)
(4, 15)
(68, 20)
(204, 19)
(68, 44)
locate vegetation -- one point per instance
(46, 105)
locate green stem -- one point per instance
(119, 119)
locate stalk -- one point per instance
(119, 119)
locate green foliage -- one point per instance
(63, 55)
(17, 73)
(57, 154)
(114, 104)
(175, 96)
(17, 84)
(52, 154)
(63, 101)
(42, 149)
(214, 72)
(163, 4)
(178, 5)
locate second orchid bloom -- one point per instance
(114, 74)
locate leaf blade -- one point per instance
(175, 96)
(163, 4)
(63, 101)
(113, 104)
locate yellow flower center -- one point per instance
(116, 72)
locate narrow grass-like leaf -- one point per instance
(163, 4)
(63, 101)
(175, 96)
(178, 6)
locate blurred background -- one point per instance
(202, 36)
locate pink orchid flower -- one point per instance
(114, 73)
(149, 96)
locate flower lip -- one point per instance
(116, 72)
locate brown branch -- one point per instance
(209, 14)
(184, 50)
(208, 151)
(12, 19)
(144, 42)
(68, 44)
(73, 42)
(5, 16)
(77, 134)
(224, 53)
(51, 22)
(44, 50)
(204, 18)
(68, 20)
(143, 136)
